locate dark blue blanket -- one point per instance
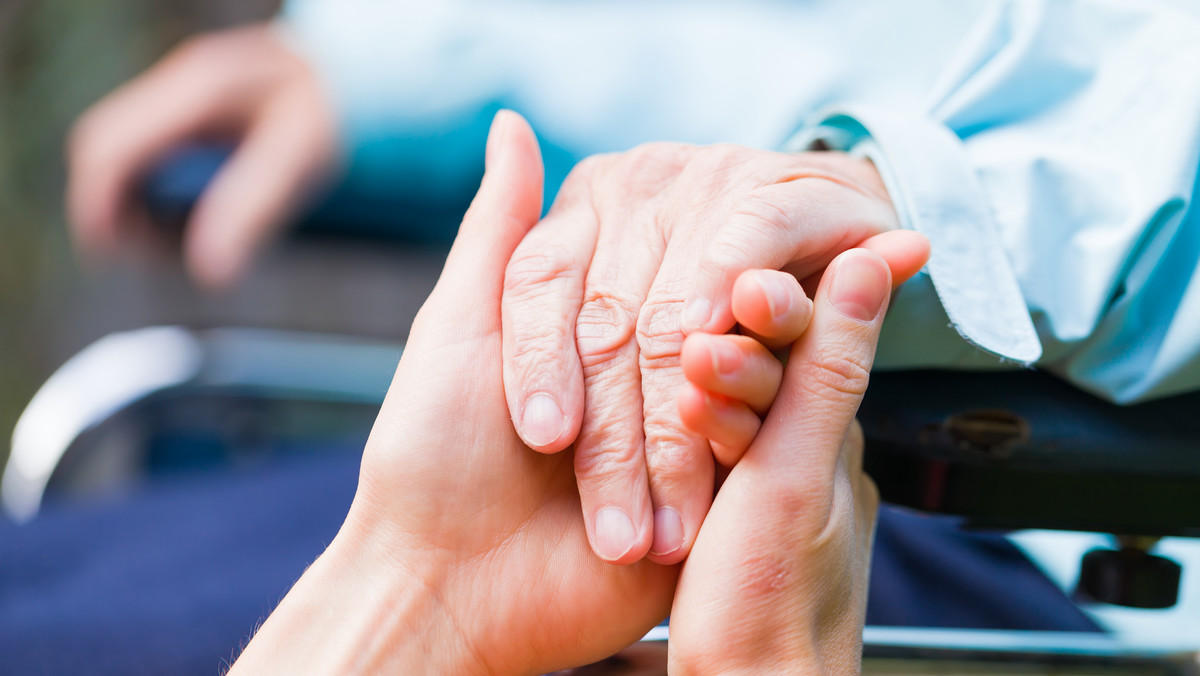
(172, 578)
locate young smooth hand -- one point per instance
(464, 550)
(777, 580)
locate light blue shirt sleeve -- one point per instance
(1048, 148)
(1080, 125)
(416, 83)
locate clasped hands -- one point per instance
(467, 552)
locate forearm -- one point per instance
(357, 610)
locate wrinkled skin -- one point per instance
(494, 523)
(639, 249)
(465, 551)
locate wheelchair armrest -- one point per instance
(94, 423)
(1022, 449)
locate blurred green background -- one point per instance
(57, 57)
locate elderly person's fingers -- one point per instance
(800, 222)
(793, 226)
(454, 515)
(787, 539)
(732, 379)
(612, 462)
(543, 378)
(571, 298)
(575, 295)
(905, 251)
(604, 282)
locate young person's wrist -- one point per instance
(362, 608)
(800, 652)
(735, 658)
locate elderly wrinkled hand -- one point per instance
(639, 249)
(465, 551)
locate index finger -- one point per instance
(796, 225)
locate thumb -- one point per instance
(508, 204)
(827, 371)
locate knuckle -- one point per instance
(722, 159)
(835, 374)
(658, 155)
(586, 171)
(674, 457)
(669, 445)
(646, 170)
(604, 328)
(576, 189)
(587, 168)
(531, 269)
(659, 334)
(730, 251)
(762, 213)
(600, 466)
(722, 171)
(671, 456)
(538, 352)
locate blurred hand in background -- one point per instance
(243, 85)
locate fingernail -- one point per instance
(696, 314)
(778, 294)
(668, 531)
(859, 286)
(725, 357)
(495, 137)
(542, 420)
(615, 534)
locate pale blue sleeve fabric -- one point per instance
(416, 83)
(1048, 148)
(1081, 122)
